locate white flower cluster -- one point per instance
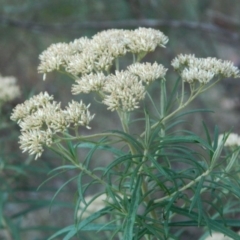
(194, 69)
(233, 140)
(89, 60)
(8, 89)
(40, 118)
(124, 89)
(148, 72)
(89, 83)
(84, 55)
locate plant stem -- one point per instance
(117, 64)
(183, 188)
(63, 152)
(144, 188)
(193, 95)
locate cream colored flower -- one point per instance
(83, 56)
(30, 106)
(53, 58)
(103, 62)
(123, 91)
(145, 40)
(191, 75)
(77, 113)
(148, 72)
(233, 140)
(40, 118)
(203, 70)
(78, 45)
(81, 63)
(89, 83)
(57, 122)
(182, 61)
(112, 41)
(50, 117)
(8, 89)
(32, 141)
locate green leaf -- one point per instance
(172, 95)
(193, 111)
(98, 146)
(67, 182)
(72, 230)
(128, 233)
(211, 224)
(197, 195)
(118, 161)
(129, 139)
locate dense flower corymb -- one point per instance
(146, 40)
(84, 56)
(148, 72)
(77, 114)
(40, 118)
(123, 91)
(203, 70)
(89, 83)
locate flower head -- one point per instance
(146, 40)
(113, 42)
(83, 56)
(203, 70)
(191, 75)
(89, 83)
(77, 114)
(148, 72)
(21, 111)
(41, 118)
(53, 58)
(34, 140)
(123, 91)
(8, 89)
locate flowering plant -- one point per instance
(153, 175)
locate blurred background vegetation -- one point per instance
(28, 27)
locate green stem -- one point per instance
(228, 168)
(117, 64)
(183, 188)
(63, 152)
(193, 95)
(86, 137)
(183, 94)
(124, 120)
(207, 172)
(134, 58)
(144, 189)
(173, 113)
(162, 106)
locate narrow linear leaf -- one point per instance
(128, 233)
